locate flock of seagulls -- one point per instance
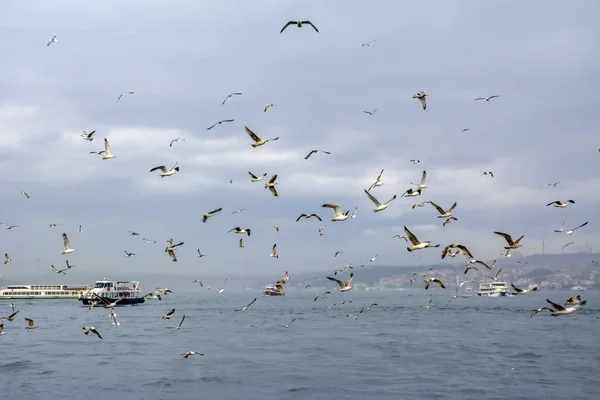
(414, 243)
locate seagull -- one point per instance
(9, 226)
(79, 229)
(219, 123)
(414, 161)
(88, 136)
(487, 98)
(511, 244)
(229, 95)
(11, 317)
(132, 233)
(456, 294)
(537, 310)
(316, 297)
(53, 40)
(274, 251)
(239, 211)
(287, 325)
(422, 184)
(344, 286)
(165, 171)
(175, 140)
(24, 193)
(6, 259)
(107, 152)
(256, 178)
(30, 323)
(308, 216)
(400, 237)
(271, 185)
(241, 243)
(378, 181)
(1, 327)
(560, 229)
(560, 310)
(421, 96)
(210, 214)
(378, 206)
(53, 225)
(67, 245)
(430, 303)
(171, 251)
(168, 315)
(61, 271)
(488, 173)
(369, 44)
(240, 231)
(368, 308)
(571, 231)
(421, 204)
(337, 252)
(434, 280)
(443, 213)
(523, 291)
(267, 106)
(128, 254)
(497, 276)
(249, 304)
(371, 112)
(316, 151)
(566, 245)
(416, 244)
(553, 184)
(258, 141)
(89, 329)
(372, 259)
(200, 255)
(123, 94)
(337, 211)
(181, 322)
(97, 152)
(461, 249)
(113, 316)
(411, 193)
(446, 222)
(191, 353)
(573, 300)
(299, 25)
(108, 304)
(466, 129)
(307, 286)
(559, 204)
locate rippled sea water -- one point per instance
(477, 348)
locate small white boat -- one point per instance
(493, 289)
(578, 288)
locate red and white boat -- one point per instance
(271, 290)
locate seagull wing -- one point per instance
(505, 236)
(423, 177)
(66, 242)
(558, 307)
(252, 302)
(373, 199)
(216, 211)
(581, 226)
(516, 288)
(252, 134)
(466, 251)
(336, 208)
(286, 25)
(349, 280)
(161, 167)
(411, 237)
(212, 126)
(310, 154)
(106, 147)
(340, 283)
(440, 210)
(273, 191)
(273, 179)
(311, 24)
(181, 322)
(95, 332)
(316, 216)
(492, 97)
(252, 175)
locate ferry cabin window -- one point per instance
(99, 285)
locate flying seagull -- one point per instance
(560, 229)
(559, 204)
(30, 323)
(566, 245)
(553, 184)
(537, 310)
(337, 211)
(378, 206)
(488, 173)
(88, 329)
(171, 251)
(421, 96)
(421, 204)
(423, 179)
(511, 244)
(466, 129)
(308, 216)
(123, 94)
(165, 171)
(53, 40)
(255, 178)
(523, 291)
(210, 214)
(438, 282)
(259, 327)
(571, 231)
(240, 231)
(175, 140)
(169, 315)
(371, 112)
(344, 286)
(560, 310)
(66, 245)
(287, 325)
(417, 245)
(240, 210)
(274, 251)
(24, 193)
(443, 213)
(456, 293)
(446, 222)
(6, 259)
(229, 95)
(267, 106)
(128, 254)
(315, 151)
(219, 123)
(378, 181)
(462, 249)
(369, 44)
(414, 161)
(299, 25)
(258, 141)
(271, 185)
(88, 136)
(487, 98)
(107, 151)
(249, 304)
(191, 353)
(9, 226)
(412, 193)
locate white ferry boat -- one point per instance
(578, 288)
(13, 292)
(127, 292)
(493, 289)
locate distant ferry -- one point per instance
(105, 291)
(578, 288)
(43, 291)
(272, 291)
(493, 289)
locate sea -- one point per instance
(476, 348)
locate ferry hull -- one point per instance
(124, 302)
(272, 293)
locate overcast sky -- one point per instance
(181, 58)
